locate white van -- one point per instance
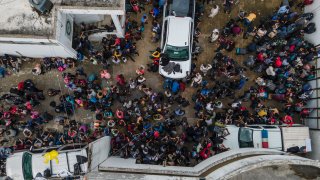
(177, 38)
(267, 136)
(177, 46)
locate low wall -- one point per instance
(235, 168)
(129, 165)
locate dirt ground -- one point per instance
(53, 79)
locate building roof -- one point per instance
(19, 19)
(92, 3)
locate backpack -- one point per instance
(154, 68)
(77, 169)
(241, 51)
(308, 16)
(47, 173)
(16, 91)
(164, 60)
(252, 47)
(311, 28)
(177, 68)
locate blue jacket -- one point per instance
(175, 87)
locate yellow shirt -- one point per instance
(251, 17)
(156, 54)
(116, 54)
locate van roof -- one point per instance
(179, 31)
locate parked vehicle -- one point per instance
(267, 136)
(74, 160)
(177, 38)
(179, 8)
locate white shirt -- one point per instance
(214, 35)
(197, 79)
(133, 84)
(206, 68)
(209, 121)
(209, 107)
(270, 71)
(214, 12)
(236, 104)
(141, 80)
(167, 93)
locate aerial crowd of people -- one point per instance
(150, 124)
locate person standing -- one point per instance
(144, 19)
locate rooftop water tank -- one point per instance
(43, 6)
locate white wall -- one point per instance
(61, 35)
(99, 151)
(315, 139)
(92, 11)
(79, 18)
(90, 16)
(315, 39)
(36, 51)
(315, 9)
(26, 40)
(30, 47)
(314, 122)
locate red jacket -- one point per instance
(260, 57)
(288, 120)
(182, 86)
(307, 2)
(278, 62)
(121, 80)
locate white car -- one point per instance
(177, 45)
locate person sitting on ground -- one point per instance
(204, 68)
(120, 80)
(249, 19)
(37, 70)
(214, 11)
(156, 53)
(196, 81)
(105, 74)
(140, 70)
